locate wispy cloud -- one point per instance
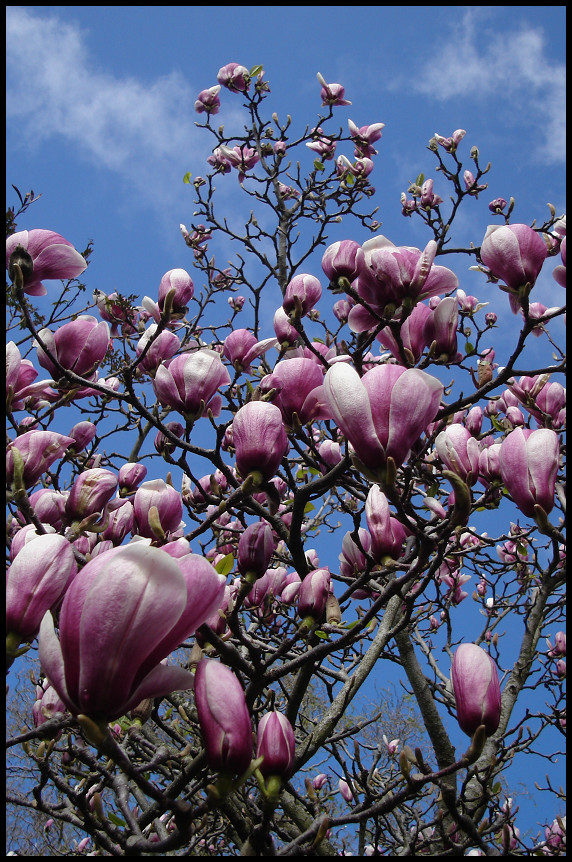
(475, 62)
(144, 133)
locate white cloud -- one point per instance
(143, 132)
(475, 62)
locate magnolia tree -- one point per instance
(219, 542)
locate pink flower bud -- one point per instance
(277, 744)
(47, 704)
(166, 503)
(296, 381)
(223, 717)
(36, 581)
(529, 463)
(189, 383)
(241, 348)
(440, 328)
(301, 295)
(459, 451)
(343, 258)
(285, 332)
(259, 439)
(313, 593)
(345, 790)
(89, 493)
(119, 519)
(414, 336)
(77, 346)
(476, 688)
(50, 256)
(387, 533)
(319, 780)
(180, 284)
(514, 253)
(255, 548)
(130, 475)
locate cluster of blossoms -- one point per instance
(102, 574)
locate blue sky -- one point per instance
(101, 121)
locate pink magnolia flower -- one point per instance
(476, 688)
(259, 439)
(296, 381)
(515, 254)
(234, 77)
(440, 330)
(47, 704)
(126, 611)
(387, 533)
(390, 745)
(241, 348)
(313, 593)
(130, 475)
(38, 450)
(301, 295)
(119, 520)
(342, 259)
(529, 463)
(20, 374)
(352, 558)
(459, 451)
(345, 790)
(116, 311)
(155, 349)
(286, 334)
(383, 413)
(208, 101)
(44, 255)
(364, 137)
(166, 502)
(223, 717)
(428, 198)
(190, 381)
(392, 275)
(77, 346)
(450, 144)
(36, 581)
(414, 336)
(49, 506)
(276, 744)
(332, 94)
(179, 285)
(91, 490)
(255, 549)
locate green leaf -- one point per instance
(318, 165)
(187, 178)
(226, 565)
(256, 70)
(469, 348)
(420, 180)
(308, 508)
(322, 635)
(117, 821)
